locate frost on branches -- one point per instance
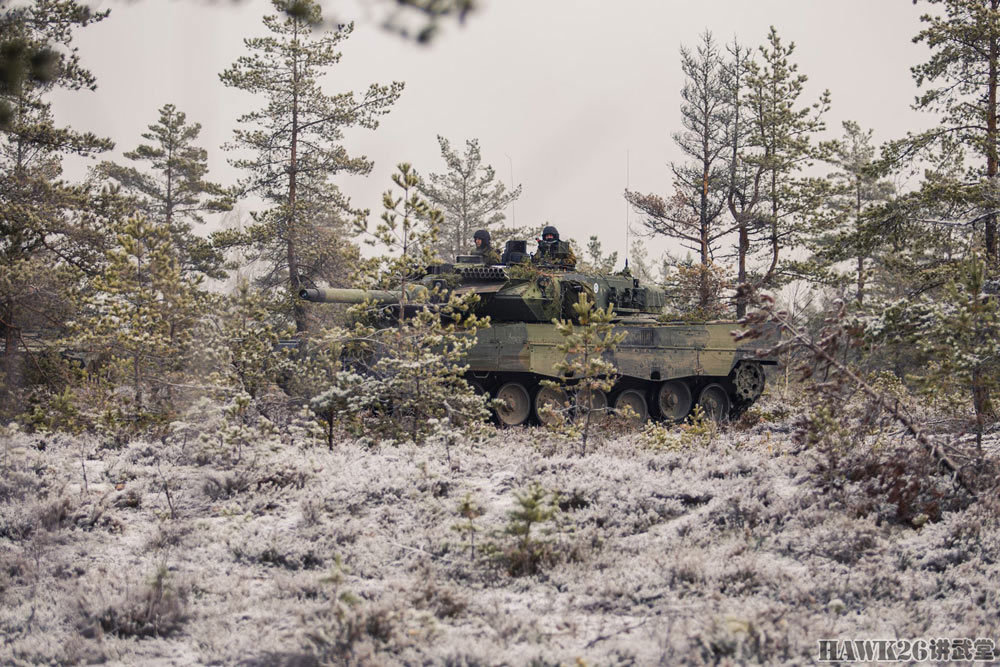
(584, 345)
(136, 319)
(405, 380)
(958, 339)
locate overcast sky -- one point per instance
(567, 97)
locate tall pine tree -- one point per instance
(48, 229)
(961, 79)
(779, 146)
(290, 148)
(840, 230)
(694, 213)
(469, 195)
(174, 192)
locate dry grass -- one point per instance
(740, 549)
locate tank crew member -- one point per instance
(484, 249)
(553, 251)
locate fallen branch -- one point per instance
(893, 406)
(624, 631)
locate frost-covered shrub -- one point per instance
(658, 436)
(138, 315)
(904, 485)
(23, 520)
(443, 600)
(22, 472)
(277, 555)
(350, 631)
(529, 547)
(753, 637)
(158, 608)
(222, 431)
(585, 344)
(697, 430)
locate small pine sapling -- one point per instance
(585, 345)
(139, 314)
(530, 551)
(469, 510)
(409, 378)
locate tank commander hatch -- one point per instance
(553, 252)
(484, 249)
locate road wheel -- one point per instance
(550, 404)
(674, 400)
(715, 402)
(748, 376)
(633, 398)
(515, 405)
(593, 401)
(477, 387)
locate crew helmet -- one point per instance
(549, 229)
(484, 235)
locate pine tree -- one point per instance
(744, 195)
(781, 145)
(698, 290)
(693, 213)
(407, 381)
(638, 263)
(839, 230)
(469, 195)
(174, 192)
(584, 345)
(243, 334)
(955, 337)
(596, 259)
(138, 316)
(49, 231)
(38, 57)
(918, 239)
(294, 140)
(408, 231)
(965, 65)
(770, 143)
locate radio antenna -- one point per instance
(627, 225)
(513, 210)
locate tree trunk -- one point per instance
(168, 204)
(861, 259)
(741, 275)
(10, 345)
(991, 137)
(298, 310)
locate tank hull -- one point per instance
(652, 356)
(649, 352)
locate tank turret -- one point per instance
(521, 292)
(664, 369)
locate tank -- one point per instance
(664, 368)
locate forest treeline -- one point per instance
(114, 321)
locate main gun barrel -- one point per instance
(341, 295)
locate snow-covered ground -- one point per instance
(728, 551)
